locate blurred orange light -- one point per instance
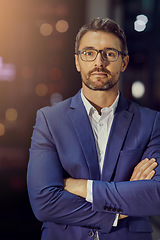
(46, 29)
(11, 114)
(2, 129)
(55, 73)
(62, 26)
(41, 89)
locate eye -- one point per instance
(88, 53)
(111, 53)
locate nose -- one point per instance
(99, 62)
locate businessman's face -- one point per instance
(100, 74)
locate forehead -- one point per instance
(99, 40)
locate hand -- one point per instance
(76, 186)
(143, 170)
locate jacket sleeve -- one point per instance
(49, 201)
(136, 198)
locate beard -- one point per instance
(101, 83)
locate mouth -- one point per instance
(99, 74)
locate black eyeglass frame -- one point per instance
(101, 52)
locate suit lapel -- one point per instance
(120, 126)
(82, 126)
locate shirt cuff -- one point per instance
(116, 220)
(89, 197)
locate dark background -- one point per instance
(44, 65)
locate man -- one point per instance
(94, 169)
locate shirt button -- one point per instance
(90, 233)
(101, 124)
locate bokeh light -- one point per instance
(138, 89)
(141, 23)
(11, 114)
(2, 129)
(143, 18)
(46, 29)
(62, 26)
(41, 89)
(7, 71)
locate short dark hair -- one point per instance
(105, 25)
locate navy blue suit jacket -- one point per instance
(63, 146)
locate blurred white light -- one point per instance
(139, 25)
(7, 71)
(142, 18)
(138, 89)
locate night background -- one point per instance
(37, 69)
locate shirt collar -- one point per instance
(90, 108)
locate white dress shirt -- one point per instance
(100, 124)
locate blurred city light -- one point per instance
(46, 29)
(142, 18)
(7, 71)
(62, 26)
(41, 89)
(2, 129)
(138, 89)
(11, 114)
(141, 23)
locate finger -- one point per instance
(145, 174)
(144, 164)
(148, 172)
(143, 169)
(150, 175)
(136, 173)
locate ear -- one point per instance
(77, 63)
(125, 62)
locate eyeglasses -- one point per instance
(108, 54)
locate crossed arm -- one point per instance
(143, 171)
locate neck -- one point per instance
(100, 99)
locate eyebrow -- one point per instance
(90, 47)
